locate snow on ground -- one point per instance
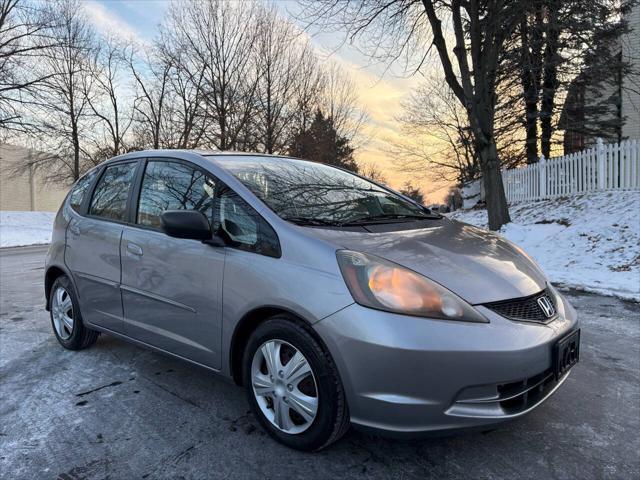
(25, 228)
(588, 242)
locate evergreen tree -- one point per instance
(322, 143)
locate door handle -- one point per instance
(134, 249)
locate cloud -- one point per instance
(382, 98)
(109, 24)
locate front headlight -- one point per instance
(377, 283)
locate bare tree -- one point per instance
(436, 137)
(151, 75)
(62, 103)
(188, 117)
(479, 30)
(189, 113)
(372, 171)
(111, 109)
(24, 35)
(220, 74)
(218, 39)
(279, 51)
(308, 88)
(339, 101)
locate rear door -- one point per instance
(171, 287)
(93, 246)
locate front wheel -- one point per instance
(293, 387)
(66, 318)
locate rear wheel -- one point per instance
(293, 386)
(66, 318)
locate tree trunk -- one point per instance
(546, 113)
(476, 89)
(550, 80)
(75, 139)
(76, 157)
(531, 117)
(531, 66)
(496, 200)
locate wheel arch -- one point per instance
(53, 272)
(247, 325)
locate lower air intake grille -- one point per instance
(535, 308)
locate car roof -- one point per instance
(203, 153)
(214, 153)
(203, 157)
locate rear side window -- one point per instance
(110, 196)
(80, 189)
(243, 227)
(173, 186)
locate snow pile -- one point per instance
(589, 242)
(25, 228)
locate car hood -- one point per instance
(477, 265)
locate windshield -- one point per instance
(312, 193)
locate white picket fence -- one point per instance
(613, 166)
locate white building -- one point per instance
(631, 83)
(25, 190)
(616, 102)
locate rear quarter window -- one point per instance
(80, 189)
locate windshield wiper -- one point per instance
(314, 222)
(390, 216)
(382, 218)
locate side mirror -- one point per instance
(189, 224)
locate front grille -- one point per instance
(525, 309)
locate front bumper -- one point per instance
(410, 375)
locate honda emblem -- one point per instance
(547, 307)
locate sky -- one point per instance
(380, 91)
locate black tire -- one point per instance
(332, 417)
(81, 336)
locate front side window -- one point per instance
(80, 189)
(305, 192)
(173, 186)
(110, 196)
(243, 227)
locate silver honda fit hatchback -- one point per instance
(333, 300)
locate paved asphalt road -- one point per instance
(118, 411)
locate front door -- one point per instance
(93, 247)
(171, 287)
